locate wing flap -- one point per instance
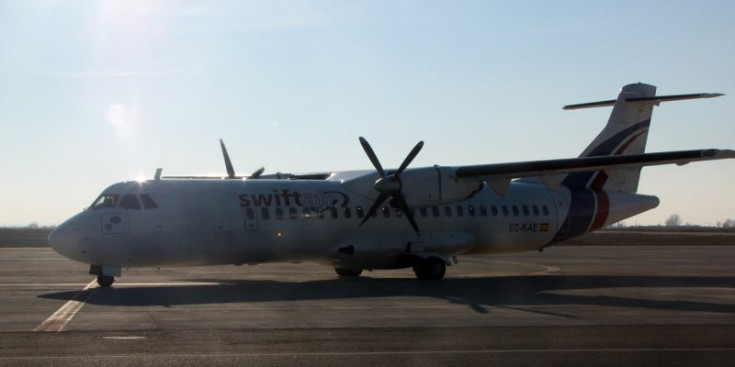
(549, 170)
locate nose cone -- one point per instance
(67, 240)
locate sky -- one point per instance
(96, 92)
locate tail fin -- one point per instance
(626, 133)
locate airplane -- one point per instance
(420, 218)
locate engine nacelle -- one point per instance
(436, 185)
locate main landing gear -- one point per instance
(430, 269)
(348, 273)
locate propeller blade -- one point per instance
(228, 163)
(371, 155)
(257, 173)
(391, 185)
(400, 202)
(414, 152)
(378, 202)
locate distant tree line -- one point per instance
(674, 220)
(35, 225)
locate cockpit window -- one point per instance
(148, 202)
(106, 201)
(130, 201)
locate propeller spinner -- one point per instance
(389, 185)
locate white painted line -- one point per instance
(546, 268)
(118, 284)
(63, 315)
(45, 285)
(123, 337)
(164, 284)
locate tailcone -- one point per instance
(624, 205)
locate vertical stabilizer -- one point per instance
(626, 133)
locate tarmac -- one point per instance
(577, 305)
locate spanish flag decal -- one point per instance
(544, 227)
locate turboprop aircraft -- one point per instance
(376, 219)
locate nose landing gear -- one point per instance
(105, 280)
(105, 274)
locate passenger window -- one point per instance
(483, 210)
(525, 211)
(333, 212)
(279, 213)
(535, 210)
(423, 212)
(546, 210)
(504, 208)
(386, 211)
(435, 211)
(494, 209)
(471, 210)
(448, 211)
(346, 211)
(265, 213)
(515, 211)
(307, 213)
(293, 213)
(460, 211)
(399, 213)
(320, 213)
(250, 213)
(360, 212)
(106, 201)
(130, 201)
(148, 202)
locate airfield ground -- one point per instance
(630, 298)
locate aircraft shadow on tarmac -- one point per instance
(477, 293)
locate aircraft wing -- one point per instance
(551, 172)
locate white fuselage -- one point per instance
(209, 222)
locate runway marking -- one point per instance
(117, 285)
(375, 353)
(63, 315)
(165, 284)
(546, 268)
(16, 285)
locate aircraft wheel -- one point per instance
(105, 280)
(430, 269)
(348, 273)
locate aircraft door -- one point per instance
(560, 209)
(250, 218)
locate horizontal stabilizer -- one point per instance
(655, 99)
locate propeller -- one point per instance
(389, 185)
(228, 162)
(231, 170)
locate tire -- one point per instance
(105, 281)
(348, 273)
(430, 269)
